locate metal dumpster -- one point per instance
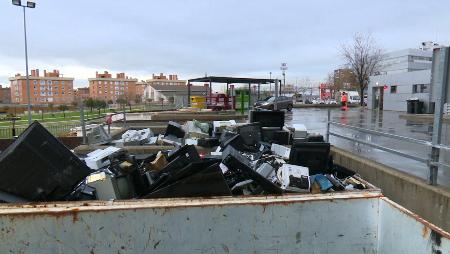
(345, 222)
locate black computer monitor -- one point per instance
(38, 167)
(314, 155)
(267, 118)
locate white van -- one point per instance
(353, 97)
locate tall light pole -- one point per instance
(270, 84)
(29, 5)
(284, 68)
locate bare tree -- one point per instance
(363, 57)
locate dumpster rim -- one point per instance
(170, 203)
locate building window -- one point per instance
(99, 82)
(49, 82)
(55, 82)
(35, 82)
(424, 88)
(393, 89)
(42, 82)
(420, 88)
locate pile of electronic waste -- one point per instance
(221, 158)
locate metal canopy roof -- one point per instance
(232, 80)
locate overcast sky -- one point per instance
(218, 37)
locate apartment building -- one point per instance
(5, 95)
(344, 79)
(81, 93)
(52, 87)
(162, 79)
(105, 87)
(140, 90)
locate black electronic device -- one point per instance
(315, 138)
(250, 133)
(174, 129)
(281, 137)
(313, 155)
(208, 142)
(181, 157)
(267, 118)
(50, 171)
(241, 170)
(203, 182)
(236, 141)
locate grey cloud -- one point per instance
(232, 37)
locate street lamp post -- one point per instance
(270, 84)
(29, 5)
(284, 68)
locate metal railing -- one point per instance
(54, 128)
(432, 160)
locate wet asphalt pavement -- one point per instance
(387, 121)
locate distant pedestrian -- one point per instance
(344, 100)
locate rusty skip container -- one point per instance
(346, 222)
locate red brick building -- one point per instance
(81, 93)
(161, 79)
(140, 89)
(52, 87)
(105, 87)
(5, 95)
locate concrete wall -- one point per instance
(430, 202)
(404, 82)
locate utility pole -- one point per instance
(283, 68)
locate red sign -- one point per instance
(385, 87)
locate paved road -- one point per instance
(386, 121)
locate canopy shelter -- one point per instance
(228, 81)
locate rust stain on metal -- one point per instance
(425, 231)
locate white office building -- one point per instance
(405, 74)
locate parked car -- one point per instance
(282, 102)
(332, 101)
